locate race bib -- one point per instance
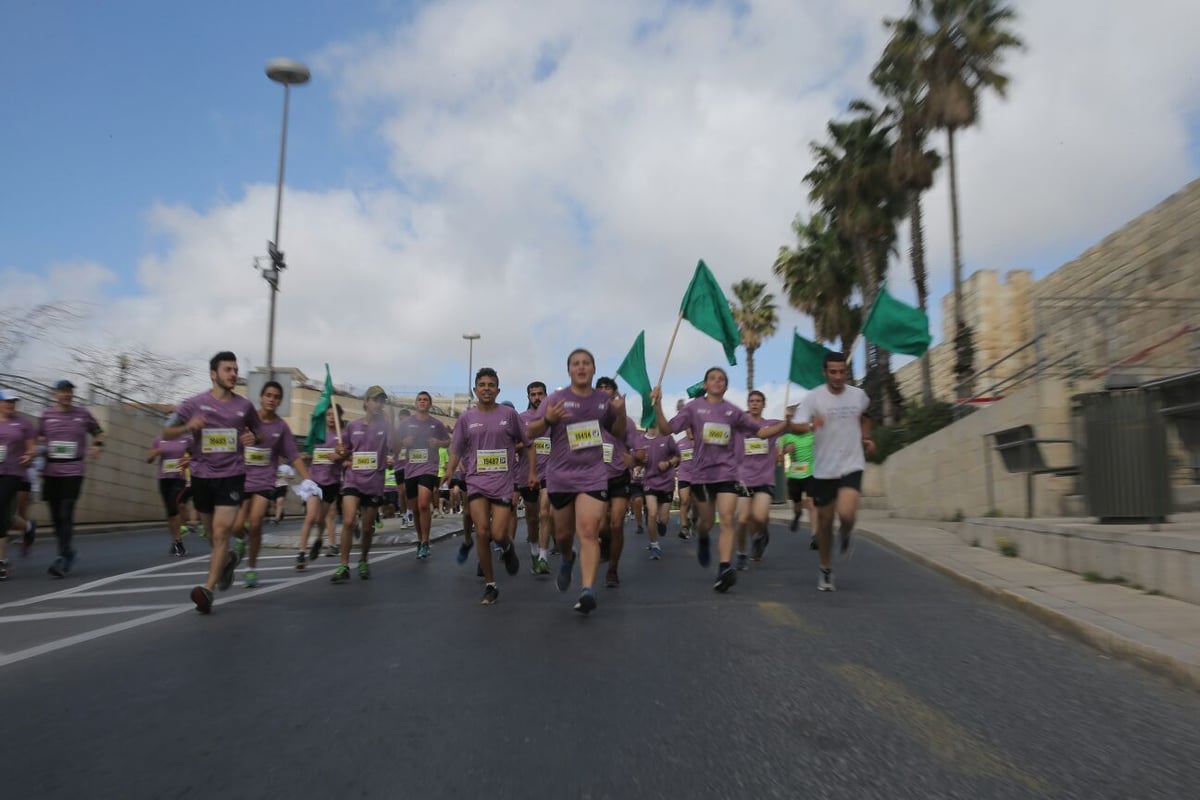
(608, 453)
(365, 462)
(756, 447)
(168, 464)
(258, 456)
(581, 435)
(418, 456)
(323, 455)
(685, 455)
(541, 445)
(800, 466)
(491, 460)
(62, 451)
(218, 440)
(715, 433)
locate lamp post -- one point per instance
(470, 337)
(289, 73)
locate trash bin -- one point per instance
(1124, 466)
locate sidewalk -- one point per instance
(1154, 631)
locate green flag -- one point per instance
(808, 362)
(696, 390)
(633, 370)
(705, 306)
(897, 327)
(316, 428)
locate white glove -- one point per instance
(285, 471)
(307, 488)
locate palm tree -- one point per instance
(819, 277)
(898, 78)
(963, 48)
(756, 318)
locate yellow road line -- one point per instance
(779, 614)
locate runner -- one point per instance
(275, 445)
(283, 476)
(797, 450)
(620, 455)
(64, 430)
(18, 446)
(683, 475)
(576, 477)
(421, 435)
(756, 483)
(712, 421)
(172, 457)
(325, 468)
(662, 457)
(401, 461)
(637, 496)
(364, 447)
(837, 413)
(484, 441)
(220, 424)
(539, 525)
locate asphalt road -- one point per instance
(901, 684)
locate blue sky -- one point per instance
(546, 172)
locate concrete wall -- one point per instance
(946, 474)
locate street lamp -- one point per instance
(289, 73)
(470, 337)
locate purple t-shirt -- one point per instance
(713, 426)
(323, 469)
(659, 448)
(217, 447)
(686, 452)
(276, 444)
(539, 446)
(422, 456)
(486, 441)
(756, 465)
(170, 453)
(576, 445)
(15, 434)
(66, 435)
(367, 444)
(616, 449)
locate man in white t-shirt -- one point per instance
(837, 416)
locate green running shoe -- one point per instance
(251, 579)
(239, 547)
(341, 574)
(364, 570)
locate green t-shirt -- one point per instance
(800, 459)
(443, 460)
(389, 479)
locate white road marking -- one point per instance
(82, 612)
(83, 587)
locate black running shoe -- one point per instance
(314, 552)
(28, 537)
(703, 555)
(177, 548)
(203, 599)
(725, 580)
(795, 523)
(512, 563)
(612, 580)
(812, 543)
(586, 603)
(58, 569)
(464, 550)
(231, 562)
(758, 545)
(490, 595)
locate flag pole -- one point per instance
(671, 346)
(853, 347)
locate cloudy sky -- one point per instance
(543, 172)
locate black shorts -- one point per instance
(280, 491)
(707, 492)
(661, 495)
(749, 491)
(365, 500)
(330, 492)
(412, 485)
(798, 487)
(684, 484)
(443, 490)
(561, 500)
(618, 487)
(208, 493)
(265, 494)
(458, 483)
(825, 490)
(531, 495)
(391, 497)
(171, 490)
(496, 501)
(399, 477)
(636, 489)
(9, 486)
(24, 486)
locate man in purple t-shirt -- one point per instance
(484, 441)
(18, 446)
(364, 449)
(421, 435)
(539, 524)
(220, 424)
(620, 455)
(64, 430)
(172, 457)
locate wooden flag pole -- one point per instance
(337, 421)
(671, 346)
(853, 347)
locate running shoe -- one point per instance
(314, 552)
(184, 530)
(378, 524)
(825, 582)
(726, 578)
(512, 562)
(177, 548)
(3, 570)
(812, 543)
(68, 561)
(333, 550)
(203, 599)
(341, 574)
(640, 530)
(685, 533)
(795, 523)
(27, 538)
(563, 579)
(490, 595)
(239, 547)
(364, 571)
(655, 552)
(231, 562)
(541, 566)
(743, 561)
(58, 569)
(251, 579)
(702, 552)
(301, 560)
(662, 528)
(464, 550)
(611, 579)
(586, 603)
(847, 545)
(758, 545)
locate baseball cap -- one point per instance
(375, 391)
(5, 394)
(63, 384)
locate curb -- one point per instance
(1180, 672)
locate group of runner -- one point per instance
(572, 457)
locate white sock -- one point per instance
(533, 548)
(543, 554)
